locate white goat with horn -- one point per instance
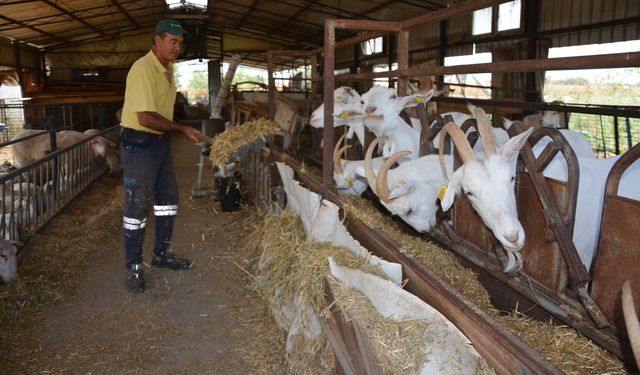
(411, 190)
(631, 320)
(348, 182)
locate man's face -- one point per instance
(168, 48)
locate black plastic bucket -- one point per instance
(229, 192)
(212, 127)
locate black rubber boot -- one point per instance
(169, 260)
(135, 279)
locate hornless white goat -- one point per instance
(578, 142)
(411, 190)
(347, 110)
(546, 118)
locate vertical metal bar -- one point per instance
(91, 116)
(390, 42)
(272, 86)
(403, 60)
(629, 134)
(329, 68)
(442, 49)
(531, 27)
(616, 134)
(314, 76)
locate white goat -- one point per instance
(547, 118)
(347, 110)
(631, 320)
(348, 182)
(382, 116)
(592, 181)
(411, 190)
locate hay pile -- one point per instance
(49, 276)
(229, 141)
(397, 344)
(293, 269)
(561, 345)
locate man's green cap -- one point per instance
(172, 27)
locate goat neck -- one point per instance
(486, 133)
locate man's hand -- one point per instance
(191, 133)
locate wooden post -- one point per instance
(224, 90)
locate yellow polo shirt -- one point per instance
(148, 90)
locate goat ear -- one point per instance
(405, 186)
(455, 183)
(506, 123)
(413, 100)
(513, 146)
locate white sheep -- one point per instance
(8, 261)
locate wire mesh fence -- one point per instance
(608, 135)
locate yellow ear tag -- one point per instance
(350, 181)
(443, 191)
(344, 116)
(420, 99)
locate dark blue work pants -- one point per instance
(148, 169)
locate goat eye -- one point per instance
(393, 96)
(362, 102)
(469, 194)
(409, 211)
(513, 178)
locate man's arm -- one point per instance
(155, 121)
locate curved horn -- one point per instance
(486, 134)
(459, 139)
(368, 167)
(381, 181)
(631, 320)
(337, 151)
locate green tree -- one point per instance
(199, 82)
(242, 76)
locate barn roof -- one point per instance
(113, 33)
(249, 27)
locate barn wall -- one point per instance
(29, 56)
(568, 13)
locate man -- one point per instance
(146, 158)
